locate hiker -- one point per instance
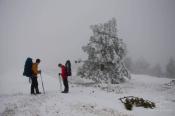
(64, 78)
(35, 71)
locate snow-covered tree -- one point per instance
(105, 55)
(170, 68)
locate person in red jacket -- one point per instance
(64, 78)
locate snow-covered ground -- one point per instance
(85, 98)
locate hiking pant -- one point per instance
(34, 85)
(66, 86)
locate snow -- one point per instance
(85, 98)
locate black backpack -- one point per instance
(28, 67)
(68, 68)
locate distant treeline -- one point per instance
(141, 66)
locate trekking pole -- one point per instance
(60, 82)
(42, 83)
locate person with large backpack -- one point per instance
(64, 78)
(31, 71)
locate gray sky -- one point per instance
(55, 30)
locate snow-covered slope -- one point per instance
(84, 98)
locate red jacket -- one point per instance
(63, 72)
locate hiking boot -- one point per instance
(64, 92)
(33, 94)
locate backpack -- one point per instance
(28, 67)
(68, 68)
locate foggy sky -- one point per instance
(55, 30)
